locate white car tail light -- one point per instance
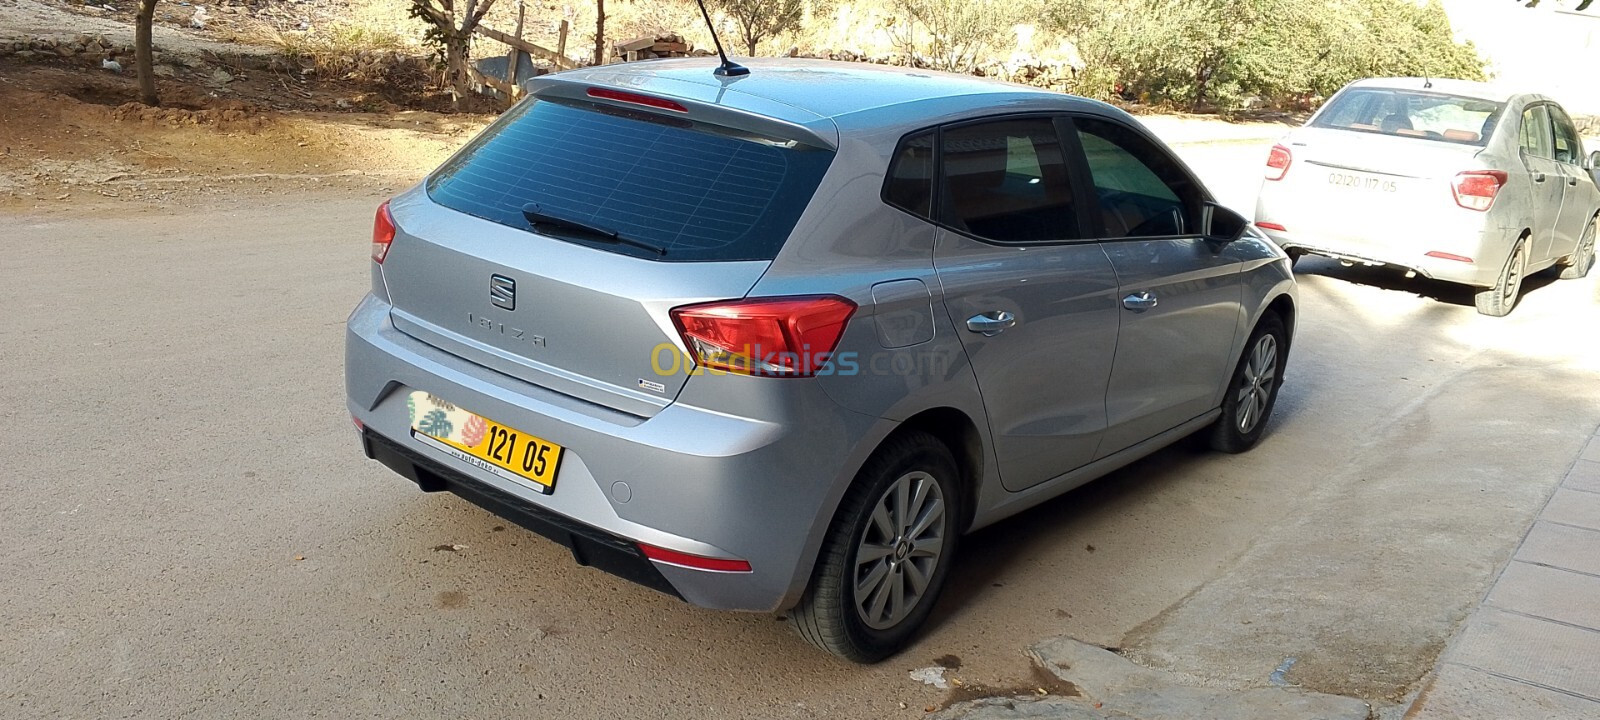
(1278, 162)
(1475, 189)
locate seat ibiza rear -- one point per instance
(773, 343)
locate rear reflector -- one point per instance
(359, 425)
(1278, 162)
(773, 337)
(636, 99)
(693, 562)
(1449, 256)
(1476, 189)
(382, 233)
(1272, 226)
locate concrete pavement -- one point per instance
(1532, 648)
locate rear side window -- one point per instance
(1006, 180)
(1568, 148)
(1534, 137)
(910, 184)
(1406, 113)
(1142, 191)
(700, 192)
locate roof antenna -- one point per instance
(728, 68)
(1427, 82)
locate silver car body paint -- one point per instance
(733, 466)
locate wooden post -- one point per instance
(561, 44)
(515, 55)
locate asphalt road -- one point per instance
(191, 530)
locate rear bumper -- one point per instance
(590, 546)
(1483, 271)
(740, 472)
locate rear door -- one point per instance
(698, 211)
(1547, 182)
(1179, 294)
(1031, 295)
(1577, 192)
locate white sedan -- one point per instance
(1454, 180)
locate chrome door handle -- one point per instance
(1572, 180)
(991, 323)
(1538, 177)
(1140, 301)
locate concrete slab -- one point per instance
(1463, 693)
(1552, 593)
(1574, 507)
(1562, 546)
(1551, 654)
(1591, 452)
(1585, 475)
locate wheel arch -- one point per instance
(959, 433)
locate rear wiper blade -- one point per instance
(536, 217)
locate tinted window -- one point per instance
(1405, 113)
(702, 192)
(910, 183)
(1568, 148)
(1142, 191)
(1535, 134)
(1007, 180)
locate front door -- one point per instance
(1577, 192)
(1178, 293)
(1034, 303)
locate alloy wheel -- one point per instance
(899, 550)
(1255, 385)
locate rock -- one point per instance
(25, 54)
(221, 77)
(165, 71)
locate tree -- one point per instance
(144, 54)
(599, 32)
(758, 20)
(960, 33)
(453, 34)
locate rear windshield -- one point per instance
(1406, 113)
(696, 191)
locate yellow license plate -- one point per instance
(484, 443)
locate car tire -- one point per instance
(1583, 257)
(1501, 299)
(844, 611)
(1253, 388)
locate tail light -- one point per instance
(777, 337)
(693, 562)
(1475, 189)
(1278, 162)
(382, 233)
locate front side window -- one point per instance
(1142, 191)
(1535, 135)
(1006, 180)
(1568, 148)
(910, 183)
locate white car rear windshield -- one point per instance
(1409, 113)
(697, 192)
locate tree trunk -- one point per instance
(144, 54)
(455, 62)
(599, 32)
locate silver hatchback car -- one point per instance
(1457, 181)
(775, 342)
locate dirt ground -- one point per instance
(69, 136)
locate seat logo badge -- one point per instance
(503, 292)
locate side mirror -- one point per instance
(1222, 224)
(1594, 160)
